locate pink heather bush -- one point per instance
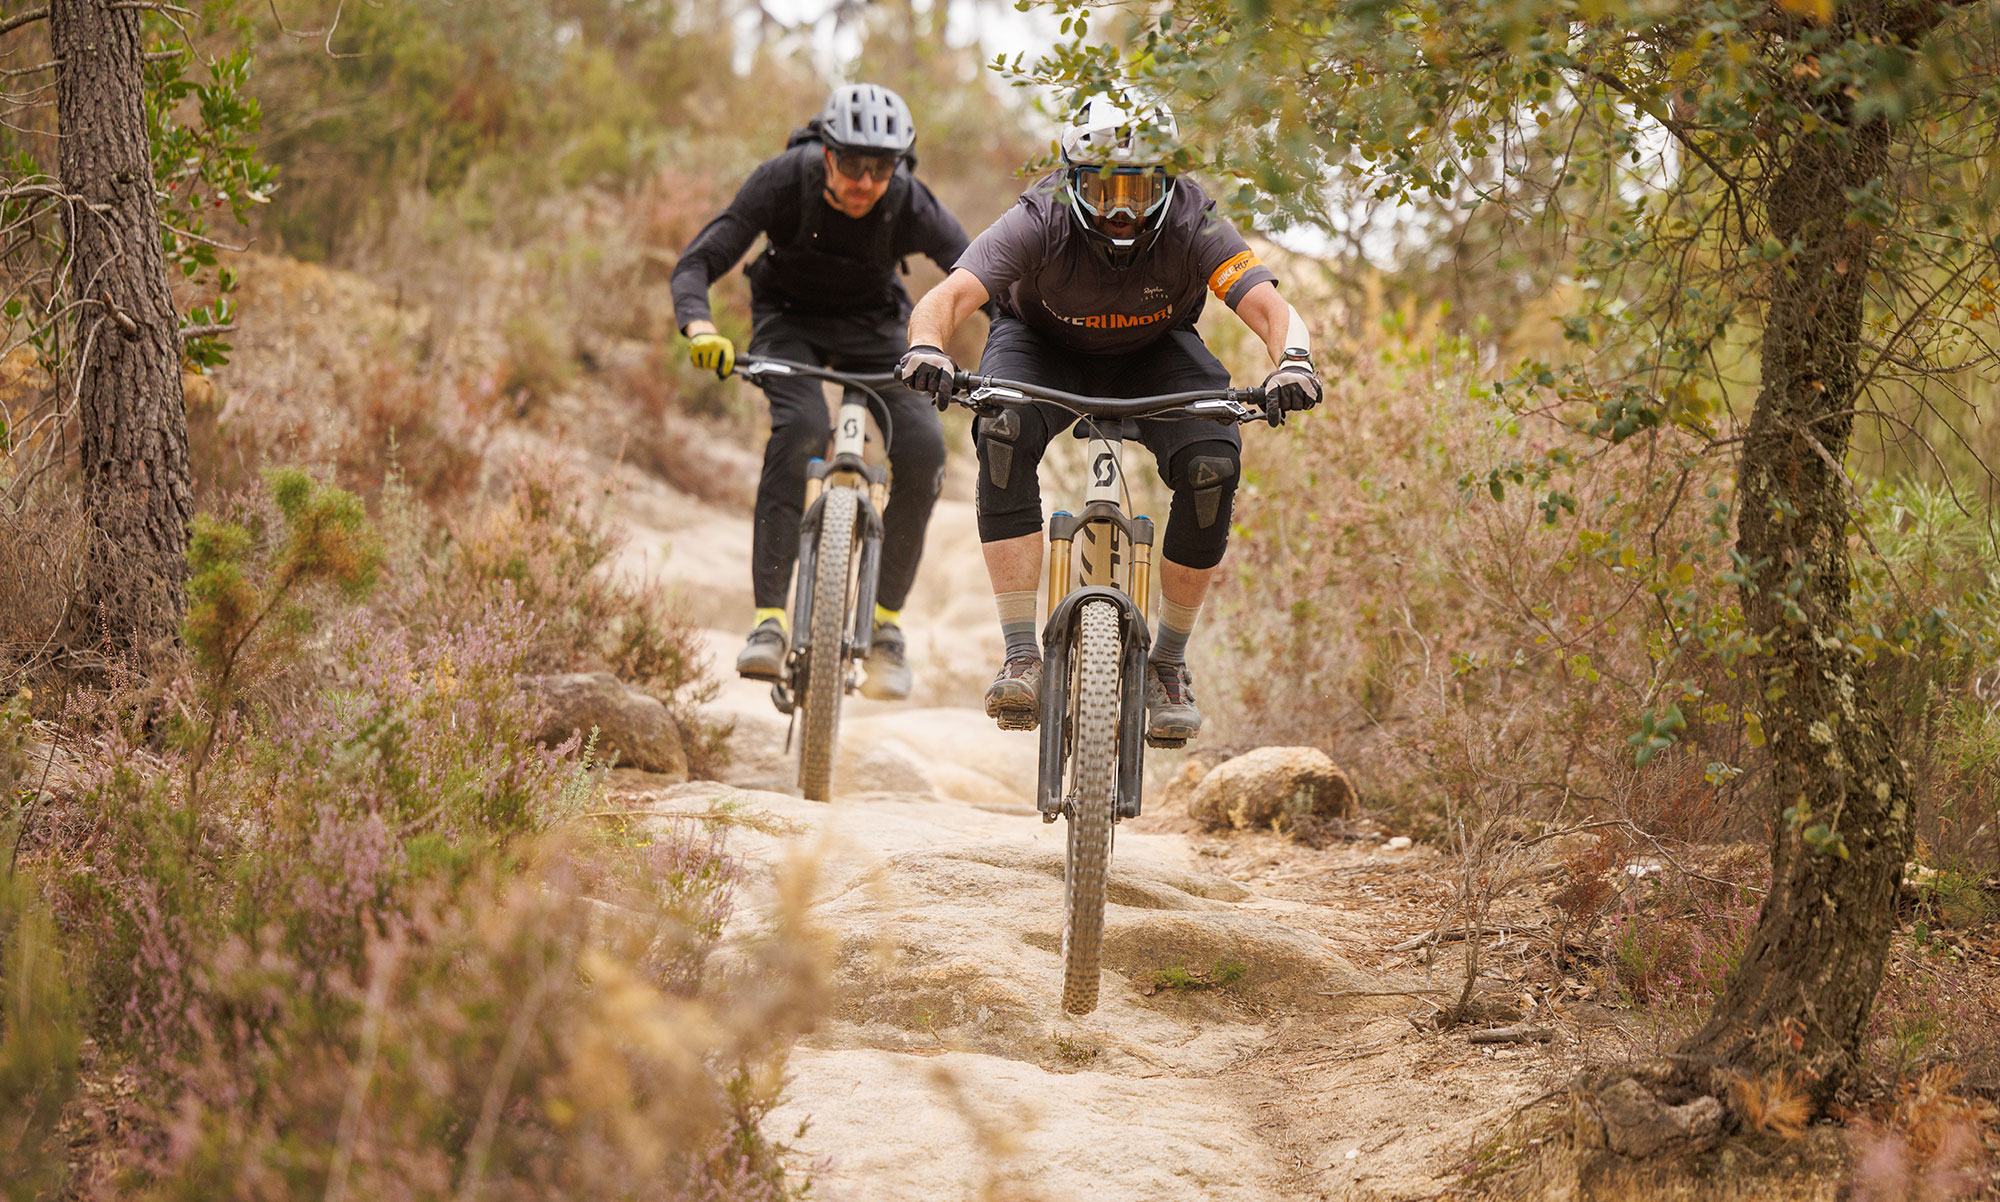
(376, 962)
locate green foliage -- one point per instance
(201, 165)
(201, 126)
(1076, 1053)
(325, 541)
(249, 605)
(40, 1040)
(1180, 980)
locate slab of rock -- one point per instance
(627, 721)
(1271, 786)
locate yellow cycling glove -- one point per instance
(714, 353)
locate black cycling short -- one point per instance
(1199, 461)
(800, 428)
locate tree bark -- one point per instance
(132, 417)
(1800, 997)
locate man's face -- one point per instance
(1122, 226)
(854, 182)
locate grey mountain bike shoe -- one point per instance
(1171, 716)
(1014, 699)
(763, 657)
(888, 671)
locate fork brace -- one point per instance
(1059, 636)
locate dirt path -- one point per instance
(947, 1070)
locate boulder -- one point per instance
(635, 726)
(1180, 789)
(1271, 786)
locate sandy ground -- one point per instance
(947, 1070)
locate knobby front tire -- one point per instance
(1094, 798)
(826, 655)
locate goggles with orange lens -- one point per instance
(1134, 192)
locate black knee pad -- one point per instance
(998, 435)
(1208, 471)
(1203, 477)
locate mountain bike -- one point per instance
(840, 557)
(1094, 645)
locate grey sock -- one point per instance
(1176, 624)
(1017, 621)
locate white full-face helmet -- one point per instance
(1116, 160)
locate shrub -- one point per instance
(40, 1029)
(1481, 609)
(380, 962)
(549, 546)
(45, 541)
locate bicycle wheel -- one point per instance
(826, 654)
(1094, 796)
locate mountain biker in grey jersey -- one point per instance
(840, 209)
(1098, 274)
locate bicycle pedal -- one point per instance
(1165, 744)
(1012, 723)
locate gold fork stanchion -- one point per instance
(1142, 579)
(1059, 557)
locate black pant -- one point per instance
(800, 432)
(1198, 460)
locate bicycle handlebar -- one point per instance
(756, 370)
(1231, 406)
(1235, 406)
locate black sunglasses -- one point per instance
(870, 166)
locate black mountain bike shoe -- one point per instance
(763, 657)
(1171, 716)
(1014, 699)
(888, 671)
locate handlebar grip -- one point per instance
(1257, 398)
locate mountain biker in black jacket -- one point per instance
(840, 210)
(1099, 274)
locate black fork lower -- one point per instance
(1059, 638)
(785, 693)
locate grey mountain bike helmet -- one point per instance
(865, 118)
(1116, 160)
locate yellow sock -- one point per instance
(884, 617)
(766, 613)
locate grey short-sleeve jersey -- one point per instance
(1040, 269)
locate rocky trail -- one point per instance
(948, 1071)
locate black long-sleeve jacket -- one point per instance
(817, 260)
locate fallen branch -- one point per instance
(1452, 936)
(1521, 1034)
(1380, 992)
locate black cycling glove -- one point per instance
(929, 369)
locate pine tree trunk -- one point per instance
(133, 420)
(1799, 999)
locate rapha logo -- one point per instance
(1153, 292)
